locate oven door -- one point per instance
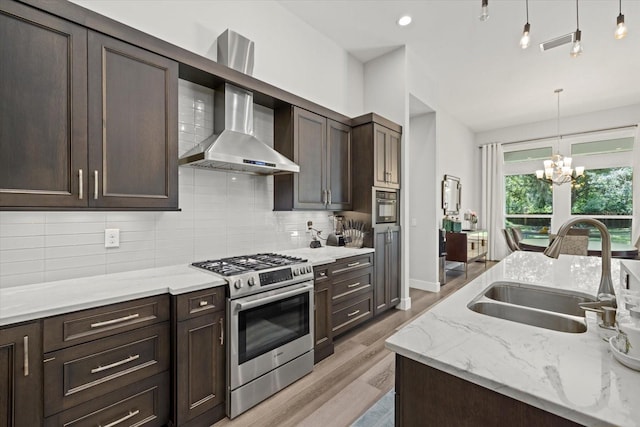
(268, 330)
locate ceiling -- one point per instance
(483, 77)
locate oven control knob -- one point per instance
(237, 284)
(251, 281)
(309, 269)
(296, 272)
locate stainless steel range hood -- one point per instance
(234, 147)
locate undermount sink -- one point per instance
(539, 297)
(539, 306)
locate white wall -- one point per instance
(289, 53)
(423, 254)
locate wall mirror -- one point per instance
(451, 195)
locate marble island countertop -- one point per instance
(29, 302)
(571, 375)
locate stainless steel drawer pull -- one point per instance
(25, 341)
(322, 274)
(114, 321)
(353, 314)
(353, 285)
(203, 303)
(95, 185)
(353, 264)
(115, 364)
(80, 195)
(221, 331)
(121, 420)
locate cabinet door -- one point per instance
(133, 126)
(310, 136)
(323, 340)
(392, 155)
(338, 165)
(21, 376)
(381, 271)
(200, 369)
(43, 109)
(393, 265)
(379, 152)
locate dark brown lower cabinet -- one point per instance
(322, 310)
(141, 404)
(428, 396)
(21, 375)
(387, 268)
(199, 358)
(352, 292)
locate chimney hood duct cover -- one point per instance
(233, 147)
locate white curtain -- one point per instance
(492, 213)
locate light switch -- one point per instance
(112, 238)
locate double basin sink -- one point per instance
(540, 306)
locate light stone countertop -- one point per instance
(633, 267)
(571, 375)
(29, 302)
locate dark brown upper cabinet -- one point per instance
(133, 126)
(322, 149)
(376, 149)
(87, 121)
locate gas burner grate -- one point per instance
(242, 264)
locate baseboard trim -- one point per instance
(424, 285)
(404, 304)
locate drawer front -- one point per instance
(87, 371)
(352, 263)
(198, 303)
(321, 273)
(87, 325)
(352, 312)
(352, 283)
(145, 403)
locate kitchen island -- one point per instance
(560, 376)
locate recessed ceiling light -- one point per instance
(404, 21)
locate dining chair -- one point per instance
(511, 244)
(517, 235)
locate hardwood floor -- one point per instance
(347, 383)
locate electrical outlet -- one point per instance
(112, 238)
(309, 226)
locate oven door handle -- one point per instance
(266, 300)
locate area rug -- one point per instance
(381, 414)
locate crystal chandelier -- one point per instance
(557, 170)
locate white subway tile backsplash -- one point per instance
(19, 230)
(14, 255)
(75, 272)
(21, 242)
(222, 214)
(21, 279)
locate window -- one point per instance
(605, 192)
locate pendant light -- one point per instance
(484, 12)
(621, 28)
(576, 49)
(526, 39)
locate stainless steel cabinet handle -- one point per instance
(353, 285)
(113, 321)
(329, 198)
(203, 303)
(353, 264)
(221, 331)
(95, 185)
(324, 197)
(80, 195)
(322, 274)
(123, 419)
(353, 314)
(115, 364)
(25, 363)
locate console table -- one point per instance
(467, 246)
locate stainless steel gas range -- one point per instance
(269, 324)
